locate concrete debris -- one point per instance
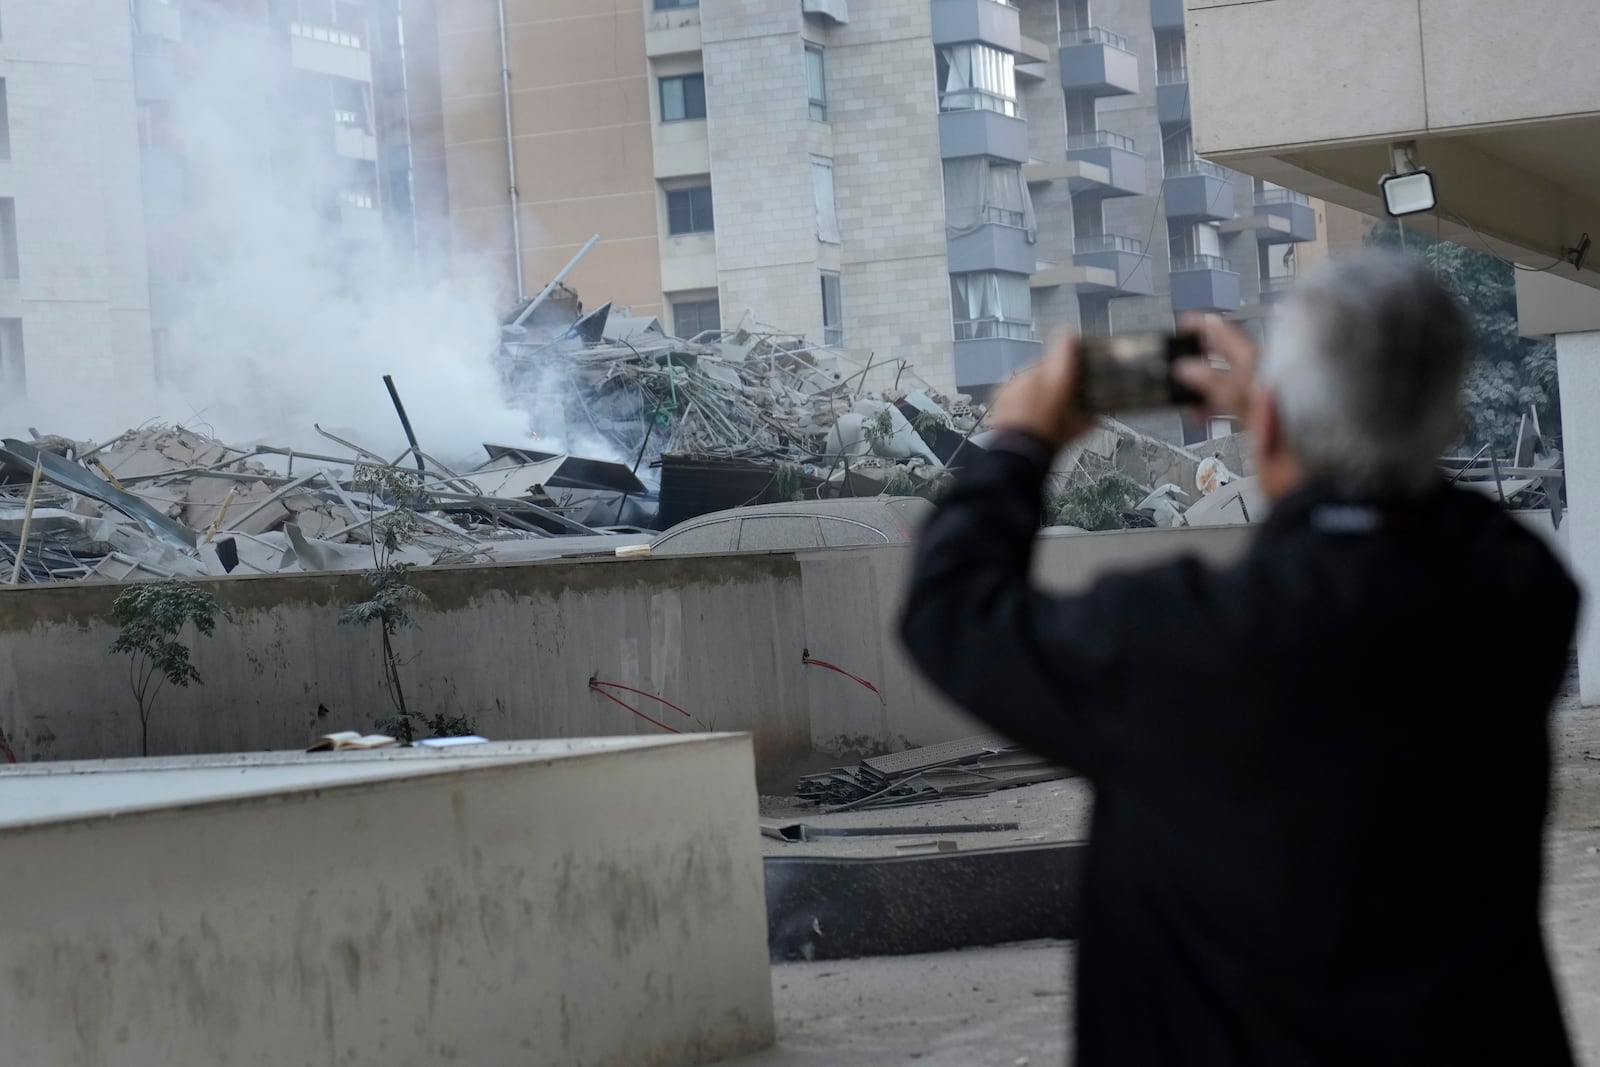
(748, 398)
(720, 420)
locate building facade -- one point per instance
(939, 181)
(74, 292)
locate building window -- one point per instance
(822, 195)
(689, 210)
(397, 163)
(683, 97)
(1197, 247)
(673, 5)
(1172, 59)
(692, 317)
(979, 190)
(13, 367)
(975, 77)
(9, 267)
(816, 83)
(5, 122)
(832, 309)
(991, 304)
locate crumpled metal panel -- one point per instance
(69, 475)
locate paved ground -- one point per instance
(1008, 1006)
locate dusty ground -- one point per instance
(1007, 1006)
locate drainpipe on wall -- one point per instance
(511, 155)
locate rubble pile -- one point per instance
(719, 420)
(737, 401)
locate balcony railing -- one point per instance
(980, 329)
(1094, 35)
(999, 216)
(1202, 262)
(1099, 139)
(325, 33)
(1187, 168)
(1282, 196)
(343, 117)
(979, 100)
(1108, 242)
(1172, 76)
(1277, 285)
(361, 200)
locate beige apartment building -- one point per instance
(939, 181)
(74, 293)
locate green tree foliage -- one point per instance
(392, 595)
(1093, 505)
(150, 616)
(1508, 372)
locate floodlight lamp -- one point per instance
(1409, 193)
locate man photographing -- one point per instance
(1317, 828)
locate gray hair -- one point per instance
(1366, 362)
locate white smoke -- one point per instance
(285, 321)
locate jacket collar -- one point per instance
(1321, 507)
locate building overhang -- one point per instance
(1513, 144)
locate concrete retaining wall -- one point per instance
(388, 908)
(514, 646)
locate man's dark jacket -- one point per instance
(1320, 773)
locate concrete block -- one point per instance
(506, 903)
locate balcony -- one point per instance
(350, 141)
(325, 50)
(1198, 191)
(1166, 14)
(1123, 258)
(999, 244)
(1293, 208)
(1172, 95)
(1098, 62)
(1273, 290)
(1124, 167)
(974, 123)
(1204, 283)
(991, 22)
(990, 351)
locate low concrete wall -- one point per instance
(511, 906)
(514, 646)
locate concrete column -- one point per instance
(1578, 362)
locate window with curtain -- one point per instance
(1171, 52)
(982, 191)
(822, 196)
(683, 97)
(832, 309)
(816, 83)
(975, 77)
(991, 304)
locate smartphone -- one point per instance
(1133, 372)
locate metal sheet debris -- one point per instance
(968, 767)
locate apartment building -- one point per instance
(323, 112)
(940, 181)
(74, 295)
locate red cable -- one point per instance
(596, 687)
(811, 661)
(594, 684)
